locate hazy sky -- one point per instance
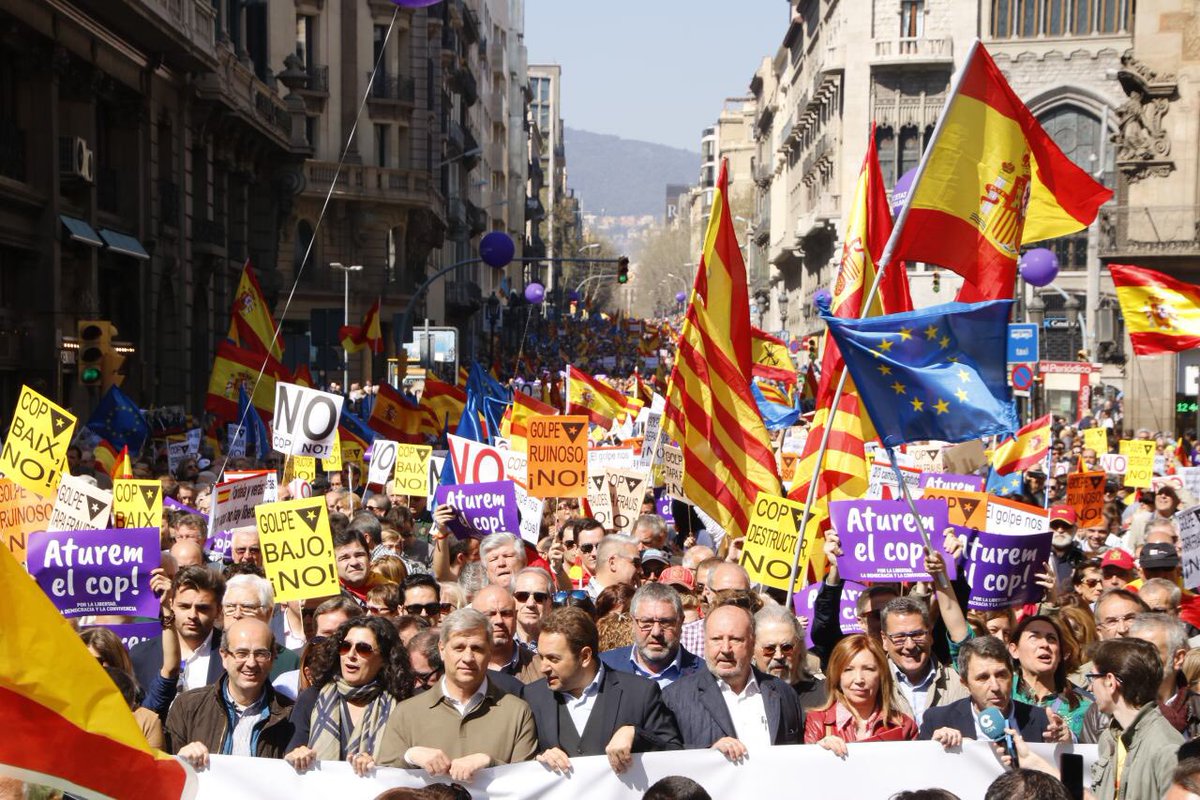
(656, 70)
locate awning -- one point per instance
(123, 244)
(80, 231)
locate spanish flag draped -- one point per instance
(844, 472)
(356, 337)
(440, 402)
(992, 180)
(600, 402)
(711, 411)
(234, 366)
(1026, 450)
(1162, 315)
(65, 723)
(251, 325)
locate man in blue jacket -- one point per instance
(656, 653)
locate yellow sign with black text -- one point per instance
(35, 451)
(297, 548)
(137, 504)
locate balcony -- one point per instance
(394, 88)
(495, 54)
(470, 26)
(910, 50)
(462, 81)
(534, 210)
(495, 107)
(12, 151)
(456, 218)
(477, 219)
(820, 218)
(183, 29)
(379, 184)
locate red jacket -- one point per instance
(838, 721)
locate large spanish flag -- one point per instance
(65, 723)
(251, 325)
(514, 425)
(441, 405)
(991, 181)
(234, 366)
(1162, 315)
(369, 335)
(395, 418)
(591, 396)
(711, 411)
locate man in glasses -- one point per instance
(1065, 552)
(921, 682)
(251, 597)
(617, 561)
(422, 597)
(781, 652)
(508, 655)
(200, 721)
(656, 619)
(244, 547)
(589, 534)
(425, 659)
(534, 594)
(1115, 612)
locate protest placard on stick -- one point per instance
(297, 548)
(96, 572)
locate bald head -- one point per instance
(497, 604)
(728, 575)
(696, 554)
(249, 632)
(187, 553)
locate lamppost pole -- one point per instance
(346, 318)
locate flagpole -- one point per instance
(942, 580)
(888, 249)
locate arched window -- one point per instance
(1078, 133)
(304, 237)
(910, 149)
(885, 143)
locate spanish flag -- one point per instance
(114, 463)
(591, 396)
(302, 376)
(514, 425)
(1162, 315)
(1024, 451)
(771, 357)
(234, 366)
(75, 734)
(395, 418)
(356, 337)
(251, 325)
(991, 180)
(440, 402)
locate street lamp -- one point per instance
(474, 151)
(781, 300)
(346, 319)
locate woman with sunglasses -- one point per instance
(1040, 678)
(359, 677)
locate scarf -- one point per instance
(333, 735)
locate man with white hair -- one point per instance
(251, 596)
(504, 556)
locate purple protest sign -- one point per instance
(662, 506)
(96, 572)
(804, 603)
(882, 541)
(134, 633)
(483, 508)
(949, 480)
(1001, 567)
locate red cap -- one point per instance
(1063, 513)
(681, 576)
(1118, 558)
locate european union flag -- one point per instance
(353, 427)
(938, 373)
(1005, 485)
(249, 419)
(487, 396)
(118, 420)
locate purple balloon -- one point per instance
(535, 293)
(496, 249)
(1039, 266)
(680, 297)
(900, 191)
(822, 297)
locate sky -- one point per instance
(655, 70)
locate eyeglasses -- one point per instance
(1091, 676)
(426, 677)
(1110, 622)
(898, 639)
(1091, 583)
(586, 548)
(242, 608)
(427, 609)
(261, 656)
(577, 594)
(646, 624)
(538, 597)
(635, 560)
(364, 649)
(785, 648)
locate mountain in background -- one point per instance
(616, 177)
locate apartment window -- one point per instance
(912, 18)
(381, 145)
(1032, 18)
(305, 34)
(379, 41)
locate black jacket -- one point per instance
(960, 715)
(623, 699)
(703, 718)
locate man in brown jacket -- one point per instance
(240, 714)
(463, 723)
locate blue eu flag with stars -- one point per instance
(1005, 485)
(938, 373)
(118, 420)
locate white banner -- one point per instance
(305, 421)
(874, 771)
(383, 462)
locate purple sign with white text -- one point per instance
(96, 572)
(804, 603)
(483, 508)
(949, 480)
(881, 540)
(1002, 567)
(134, 633)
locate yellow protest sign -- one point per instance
(137, 504)
(297, 548)
(1085, 494)
(21, 512)
(334, 462)
(558, 456)
(352, 453)
(1139, 462)
(1096, 439)
(35, 450)
(302, 467)
(412, 470)
(770, 544)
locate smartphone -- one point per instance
(1070, 766)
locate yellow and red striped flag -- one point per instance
(1162, 315)
(251, 325)
(992, 180)
(77, 735)
(711, 411)
(356, 337)
(591, 396)
(771, 357)
(844, 471)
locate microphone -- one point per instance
(993, 723)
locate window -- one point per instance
(885, 143)
(305, 29)
(381, 145)
(1002, 18)
(1027, 18)
(910, 150)
(380, 39)
(1082, 21)
(912, 18)
(1056, 13)
(304, 238)
(1077, 132)
(1031, 18)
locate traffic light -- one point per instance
(812, 348)
(937, 281)
(622, 270)
(98, 359)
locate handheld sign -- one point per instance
(883, 539)
(650, 451)
(176, 453)
(333, 461)
(1139, 466)
(967, 509)
(769, 548)
(787, 467)
(1085, 494)
(412, 470)
(949, 480)
(672, 471)
(474, 462)
(80, 506)
(302, 467)
(305, 421)
(558, 456)
(233, 507)
(21, 513)
(482, 508)
(297, 548)
(97, 572)
(137, 504)
(1096, 439)
(1188, 521)
(35, 451)
(383, 462)
(531, 509)
(599, 500)
(1001, 568)
(629, 492)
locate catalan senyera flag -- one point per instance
(993, 180)
(77, 735)
(368, 334)
(771, 357)
(1024, 451)
(514, 425)
(234, 366)
(601, 403)
(1162, 314)
(843, 475)
(440, 402)
(251, 325)
(395, 418)
(711, 411)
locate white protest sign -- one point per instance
(237, 440)
(650, 448)
(602, 458)
(193, 441)
(474, 462)
(235, 501)
(270, 493)
(530, 508)
(436, 462)
(79, 506)
(1009, 516)
(305, 421)
(383, 462)
(794, 439)
(599, 499)
(672, 471)
(629, 491)
(1188, 521)
(884, 486)
(1114, 463)
(1191, 479)
(176, 453)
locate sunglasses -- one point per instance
(362, 648)
(785, 648)
(587, 548)
(562, 597)
(427, 609)
(569, 544)
(426, 677)
(538, 597)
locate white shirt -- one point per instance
(472, 702)
(748, 713)
(580, 708)
(194, 674)
(917, 694)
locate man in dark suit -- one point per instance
(986, 670)
(731, 706)
(656, 654)
(582, 708)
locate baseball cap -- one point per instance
(655, 555)
(1063, 514)
(677, 576)
(1159, 555)
(1118, 558)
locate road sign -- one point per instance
(1022, 343)
(1021, 377)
